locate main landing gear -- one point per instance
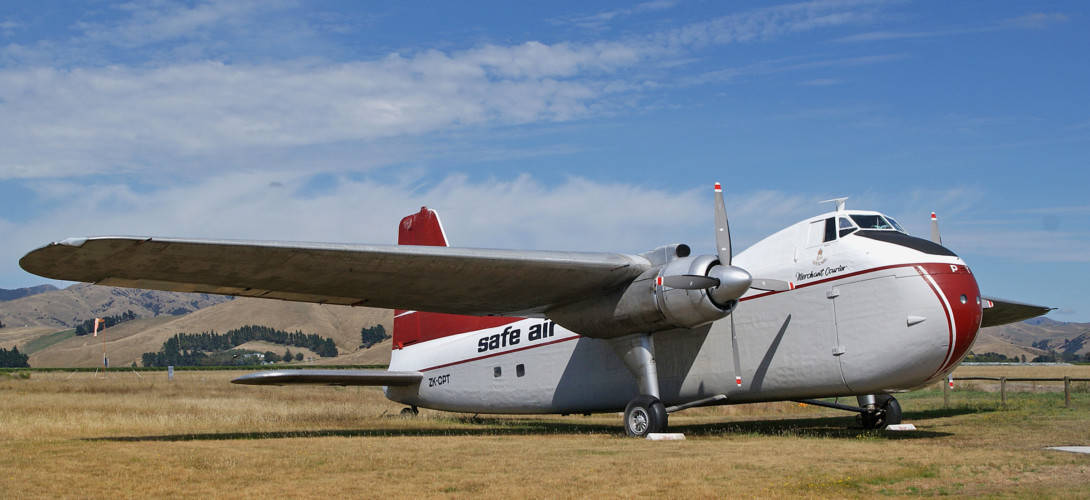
(645, 414)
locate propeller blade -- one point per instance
(722, 227)
(689, 281)
(770, 285)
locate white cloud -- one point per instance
(520, 212)
(601, 19)
(788, 64)
(85, 121)
(7, 28)
(198, 115)
(771, 22)
(1029, 21)
(159, 21)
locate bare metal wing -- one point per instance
(330, 377)
(425, 278)
(1000, 312)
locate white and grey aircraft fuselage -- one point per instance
(871, 310)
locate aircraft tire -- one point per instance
(891, 409)
(887, 412)
(409, 412)
(644, 415)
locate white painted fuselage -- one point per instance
(865, 316)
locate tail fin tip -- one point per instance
(422, 228)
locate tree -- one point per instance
(1023, 358)
(271, 357)
(13, 358)
(373, 335)
(287, 355)
(299, 356)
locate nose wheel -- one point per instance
(644, 415)
(885, 411)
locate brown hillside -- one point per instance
(127, 342)
(988, 341)
(18, 337)
(63, 309)
(378, 354)
(1026, 333)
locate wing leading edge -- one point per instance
(425, 278)
(330, 377)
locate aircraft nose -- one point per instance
(956, 287)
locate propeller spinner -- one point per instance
(724, 282)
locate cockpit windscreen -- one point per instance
(874, 222)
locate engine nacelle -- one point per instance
(645, 307)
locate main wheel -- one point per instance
(410, 412)
(644, 415)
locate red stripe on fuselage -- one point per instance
(543, 344)
(961, 283)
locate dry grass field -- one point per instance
(139, 435)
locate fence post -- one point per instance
(946, 392)
(1067, 392)
(1003, 390)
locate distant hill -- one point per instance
(63, 309)
(18, 293)
(126, 342)
(1037, 336)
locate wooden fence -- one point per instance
(1003, 386)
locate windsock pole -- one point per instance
(105, 360)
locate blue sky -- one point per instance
(561, 125)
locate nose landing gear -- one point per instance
(879, 411)
(875, 411)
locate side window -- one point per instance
(846, 227)
(497, 371)
(815, 233)
(830, 229)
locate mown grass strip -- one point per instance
(47, 340)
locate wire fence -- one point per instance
(950, 381)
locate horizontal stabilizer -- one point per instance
(330, 377)
(1001, 312)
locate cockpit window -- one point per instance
(846, 227)
(872, 222)
(895, 224)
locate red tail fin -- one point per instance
(423, 228)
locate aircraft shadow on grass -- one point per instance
(825, 427)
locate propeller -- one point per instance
(935, 236)
(724, 281)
